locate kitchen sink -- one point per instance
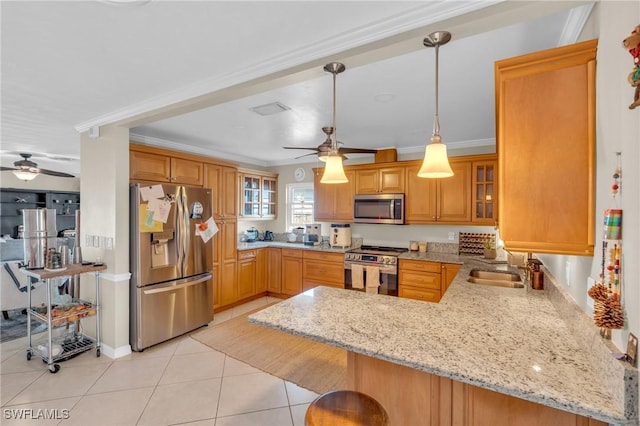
(495, 278)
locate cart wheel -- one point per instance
(29, 355)
(54, 368)
(98, 353)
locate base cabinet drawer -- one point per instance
(419, 294)
(425, 280)
(420, 265)
(323, 272)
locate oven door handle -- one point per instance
(384, 269)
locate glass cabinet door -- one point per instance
(251, 196)
(259, 196)
(269, 201)
(484, 185)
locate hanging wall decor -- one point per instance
(632, 44)
(606, 292)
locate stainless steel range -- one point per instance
(363, 265)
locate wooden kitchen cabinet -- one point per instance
(420, 280)
(222, 180)
(322, 268)
(261, 271)
(441, 401)
(274, 270)
(159, 167)
(449, 272)
(446, 200)
(380, 180)
(333, 202)
(545, 112)
(258, 195)
(247, 268)
(291, 271)
(484, 191)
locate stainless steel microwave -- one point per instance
(379, 208)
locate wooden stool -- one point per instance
(345, 407)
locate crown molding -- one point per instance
(175, 146)
(425, 14)
(167, 144)
(576, 21)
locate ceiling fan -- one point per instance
(26, 169)
(323, 149)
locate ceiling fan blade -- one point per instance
(305, 155)
(53, 173)
(358, 150)
(8, 168)
(300, 147)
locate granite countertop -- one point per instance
(509, 340)
(281, 244)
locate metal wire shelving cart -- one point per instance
(59, 347)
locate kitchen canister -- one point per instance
(613, 224)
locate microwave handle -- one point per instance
(391, 209)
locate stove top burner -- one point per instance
(379, 250)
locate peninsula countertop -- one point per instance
(508, 340)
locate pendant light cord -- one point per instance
(334, 141)
(436, 121)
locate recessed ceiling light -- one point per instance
(384, 97)
(270, 109)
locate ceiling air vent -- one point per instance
(270, 109)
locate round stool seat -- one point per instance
(344, 407)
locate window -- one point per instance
(299, 204)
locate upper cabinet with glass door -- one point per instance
(258, 195)
(484, 192)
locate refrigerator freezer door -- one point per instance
(196, 210)
(167, 310)
(154, 245)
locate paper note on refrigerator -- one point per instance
(147, 222)
(207, 229)
(151, 192)
(160, 209)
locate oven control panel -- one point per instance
(371, 258)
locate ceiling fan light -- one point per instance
(436, 162)
(25, 175)
(333, 171)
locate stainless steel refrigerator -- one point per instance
(171, 281)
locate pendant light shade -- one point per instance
(436, 162)
(333, 171)
(25, 175)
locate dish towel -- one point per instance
(373, 279)
(356, 276)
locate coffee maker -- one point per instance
(340, 235)
(312, 235)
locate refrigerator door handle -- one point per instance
(180, 232)
(172, 287)
(186, 243)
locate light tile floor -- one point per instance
(177, 382)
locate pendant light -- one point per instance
(333, 171)
(436, 163)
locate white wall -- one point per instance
(618, 130)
